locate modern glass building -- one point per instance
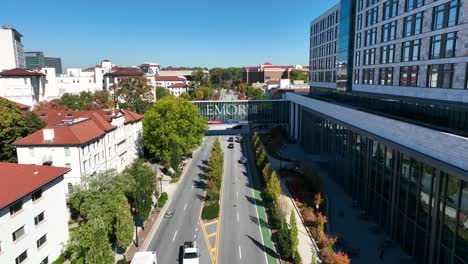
(253, 111)
(34, 59)
(411, 179)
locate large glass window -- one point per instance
(389, 31)
(22, 257)
(369, 57)
(358, 40)
(413, 4)
(409, 76)
(443, 46)
(19, 233)
(368, 76)
(390, 9)
(371, 2)
(359, 22)
(386, 76)
(387, 54)
(356, 76)
(412, 25)
(440, 75)
(466, 76)
(372, 16)
(410, 50)
(461, 246)
(370, 36)
(357, 61)
(446, 15)
(360, 5)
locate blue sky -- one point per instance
(171, 32)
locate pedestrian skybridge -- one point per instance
(244, 111)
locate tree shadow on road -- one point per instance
(264, 248)
(259, 222)
(254, 201)
(199, 185)
(202, 168)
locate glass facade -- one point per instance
(261, 111)
(422, 207)
(345, 46)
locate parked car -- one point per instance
(230, 145)
(237, 127)
(243, 160)
(230, 139)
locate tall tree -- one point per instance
(133, 93)
(293, 233)
(123, 226)
(54, 105)
(103, 99)
(273, 187)
(201, 78)
(173, 120)
(161, 92)
(296, 74)
(99, 249)
(14, 126)
(254, 93)
(141, 195)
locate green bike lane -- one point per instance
(256, 187)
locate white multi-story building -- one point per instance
(88, 142)
(33, 213)
(23, 86)
(166, 81)
(177, 89)
(11, 49)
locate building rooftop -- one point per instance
(76, 127)
(178, 85)
(18, 180)
(126, 71)
(169, 78)
(17, 72)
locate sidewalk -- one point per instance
(306, 242)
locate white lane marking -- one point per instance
(196, 229)
(175, 234)
(240, 252)
(185, 206)
(237, 217)
(237, 194)
(195, 236)
(192, 186)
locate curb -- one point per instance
(158, 221)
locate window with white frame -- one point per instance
(39, 218)
(19, 233)
(21, 258)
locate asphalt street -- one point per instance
(240, 236)
(184, 224)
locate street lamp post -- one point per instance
(136, 227)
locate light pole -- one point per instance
(136, 227)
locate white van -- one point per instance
(145, 257)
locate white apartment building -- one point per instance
(11, 49)
(23, 86)
(177, 89)
(166, 81)
(33, 213)
(88, 142)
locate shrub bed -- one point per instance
(163, 199)
(214, 175)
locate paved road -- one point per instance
(240, 237)
(184, 225)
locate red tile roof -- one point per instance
(169, 78)
(126, 71)
(178, 85)
(18, 180)
(20, 72)
(77, 127)
(77, 132)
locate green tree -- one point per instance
(266, 171)
(161, 92)
(201, 78)
(72, 101)
(241, 87)
(99, 250)
(185, 96)
(141, 195)
(170, 121)
(261, 158)
(133, 93)
(273, 187)
(284, 243)
(14, 126)
(103, 99)
(298, 75)
(293, 234)
(254, 93)
(123, 221)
